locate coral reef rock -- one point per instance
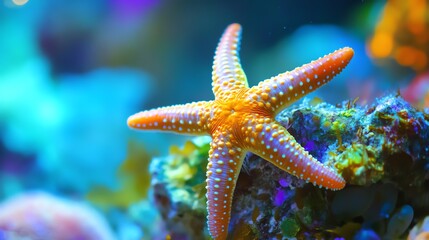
(381, 150)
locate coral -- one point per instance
(358, 163)
(420, 231)
(42, 216)
(179, 188)
(361, 142)
(399, 222)
(375, 147)
(289, 227)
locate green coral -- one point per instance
(289, 227)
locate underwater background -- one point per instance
(71, 72)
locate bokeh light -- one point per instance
(402, 34)
(19, 2)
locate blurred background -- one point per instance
(71, 72)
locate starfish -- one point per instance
(242, 119)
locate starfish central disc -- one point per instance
(242, 119)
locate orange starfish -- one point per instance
(242, 119)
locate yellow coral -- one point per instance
(339, 127)
(358, 165)
(181, 173)
(349, 112)
(186, 161)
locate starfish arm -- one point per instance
(191, 118)
(227, 73)
(224, 166)
(274, 143)
(284, 89)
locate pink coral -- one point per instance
(42, 216)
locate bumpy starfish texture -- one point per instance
(242, 119)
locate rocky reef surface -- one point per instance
(381, 150)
